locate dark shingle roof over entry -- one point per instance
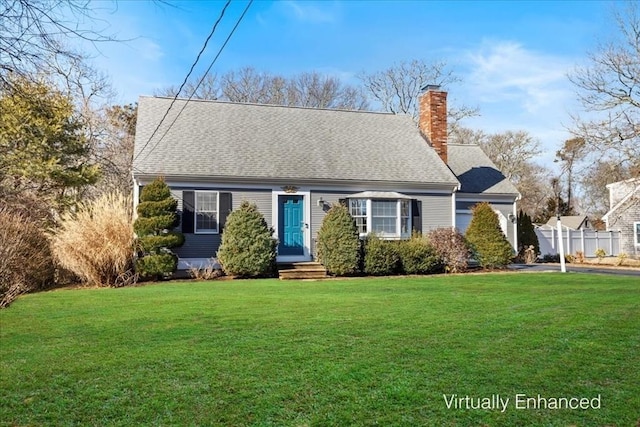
(222, 139)
(476, 172)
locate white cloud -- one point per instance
(507, 71)
(312, 13)
(149, 50)
(519, 89)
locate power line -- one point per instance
(184, 82)
(199, 83)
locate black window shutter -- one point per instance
(343, 202)
(225, 209)
(416, 215)
(188, 209)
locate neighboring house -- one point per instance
(293, 163)
(624, 214)
(570, 222)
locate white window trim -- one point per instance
(195, 214)
(636, 235)
(398, 234)
(366, 216)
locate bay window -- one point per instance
(388, 218)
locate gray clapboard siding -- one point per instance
(506, 209)
(206, 245)
(318, 212)
(262, 199)
(436, 211)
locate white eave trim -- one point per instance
(378, 195)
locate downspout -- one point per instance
(136, 197)
(453, 206)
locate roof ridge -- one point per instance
(256, 104)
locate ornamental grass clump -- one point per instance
(96, 242)
(489, 245)
(248, 248)
(338, 244)
(157, 217)
(26, 263)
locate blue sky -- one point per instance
(513, 56)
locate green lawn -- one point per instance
(340, 352)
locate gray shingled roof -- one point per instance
(223, 139)
(570, 221)
(476, 172)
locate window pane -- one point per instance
(361, 224)
(206, 211)
(384, 207)
(357, 207)
(404, 208)
(383, 225)
(404, 226)
(206, 202)
(384, 214)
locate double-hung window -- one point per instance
(636, 233)
(384, 217)
(206, 212)
(358, 210)
(388, 218)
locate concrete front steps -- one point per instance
(301, 270)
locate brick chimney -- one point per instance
(433, 118)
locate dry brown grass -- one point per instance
(619, 261)
(26, 263)
(204, 272)
(96, 242)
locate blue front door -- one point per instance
(291, 225)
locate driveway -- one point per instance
(594, 269)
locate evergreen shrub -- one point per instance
(490, 247)
(417, 256)
(338, 243)
(248, 248)
(381, 257)
(156, 218)
(526, 234)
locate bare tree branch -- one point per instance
(398, 87)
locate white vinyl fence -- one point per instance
(585, 241)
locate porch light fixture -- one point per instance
(320, 201)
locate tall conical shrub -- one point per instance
(248, 248)
(526, 233)
(490, 247)
(338, 247)
(156, 219)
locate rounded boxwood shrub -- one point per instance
(248, 248)
(381, 257)
(417, 256)
(489, 245)
(338, 243)
(156, 218)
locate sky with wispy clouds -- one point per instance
(513, 56)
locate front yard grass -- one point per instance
(341, 352)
